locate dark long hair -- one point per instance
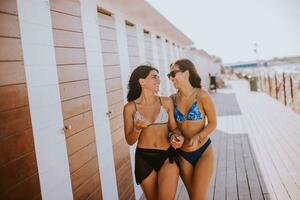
(134, 87)
(185, 64)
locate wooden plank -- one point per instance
(109, 46)
(242, 182)
(9, 6)
(215, 137)
(80, 140)
(253, 181)
(67, 56)
(79, 123)
(107, 33)
(147, 37)
(75, 89)
(9, 25)
(131, 31)
(76, 106)
(113, 84)
(116, 109)
(231, 179)
(11, 49)
(67, 73)
(220, 184)
(132, 41)
(12, 73)
(116, 123)
(96, 195)
(16, 146)
(13, 121)
(106, 21)
(82, 156)
(88, 188)
(124, 174)
(118, 135)
(133, 51)
(134, 61)
(71, 7)
(83, 174)
(110, 59)
(17, 171)
(28, 189)
(112, 72)
(63, 38)
(66, 22)
(13, 96)
(126, 190)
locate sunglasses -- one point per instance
(173, 73)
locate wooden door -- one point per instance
(115, 101)
(75, 99)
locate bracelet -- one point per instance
(170, 135)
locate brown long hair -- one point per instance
(185, 64)
(134, 87)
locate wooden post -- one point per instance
(292, 90)
(276, 86)
(260, 82)
(270, 85)
(284, 92)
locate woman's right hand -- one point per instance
(140, 124)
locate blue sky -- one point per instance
(229, 28)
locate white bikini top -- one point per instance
(162, 117)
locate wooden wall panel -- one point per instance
(80, 140)
(133, 48)
(14, 121)
(9, 25)
(12, 73)
(115, 100)
(76, 106)
(11, 49)
(9, 7)
(68, 73)
(76, 100)
(15, 96)
(67, 39)
(16, 146)
(112, 71)
(148, 48)
(161, 66)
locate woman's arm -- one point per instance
(209, 109)
(175, 136)
(132, 132)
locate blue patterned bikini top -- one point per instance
(193, 113)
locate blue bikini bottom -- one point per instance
(193, 156)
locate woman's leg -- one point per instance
(203, 172)
(186, 174)
(149, 186)
(168, 180)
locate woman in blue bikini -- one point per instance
(195, 114)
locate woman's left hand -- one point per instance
(195, 139)
(176, 141)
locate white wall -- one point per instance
(44, 99)
(99, 99)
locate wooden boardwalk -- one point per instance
(257, 148)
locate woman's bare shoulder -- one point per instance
(204, 95)
(129, 107)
